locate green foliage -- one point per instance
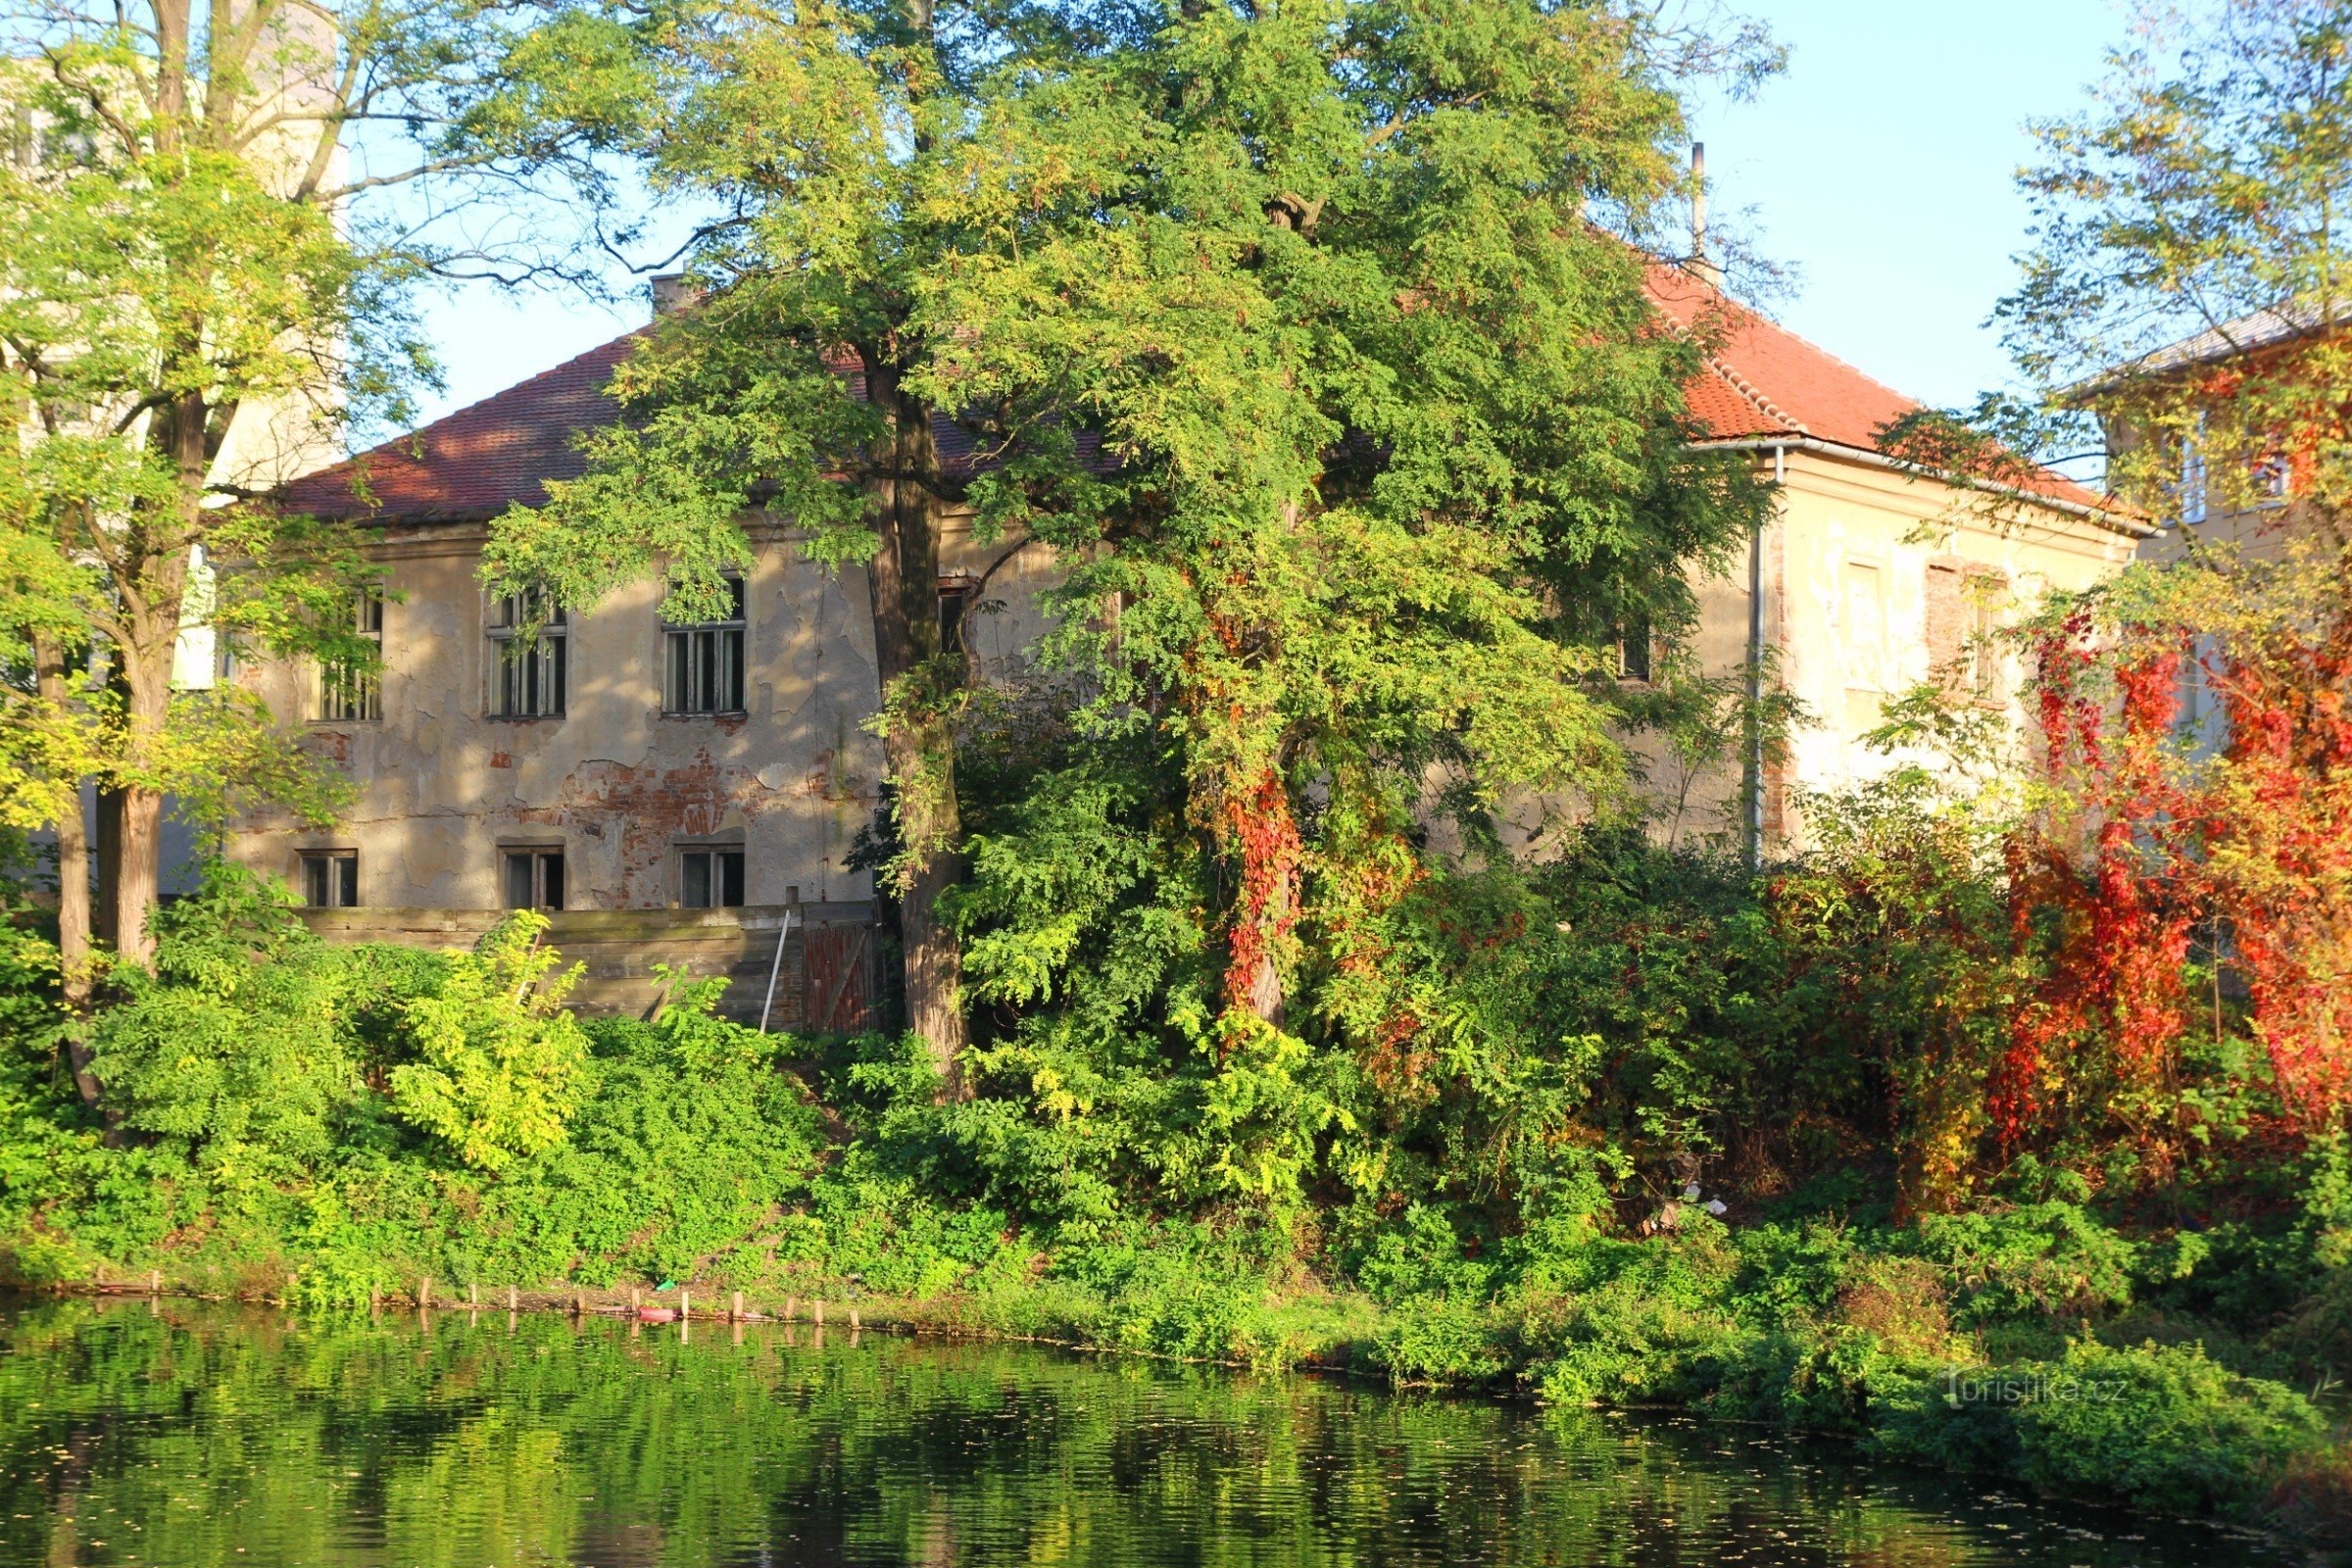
(500, 1060)
(241, 1041)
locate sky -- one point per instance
(1878, 171)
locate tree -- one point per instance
(203, 275)
(1311, 337)
(2187, 274)
(2188, 281)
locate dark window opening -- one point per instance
(330, 879)
(1634, 650)
(703, 662)
(954, 603)
(710, 879)
(532, 672)
(534, 879)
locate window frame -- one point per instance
(1636, 634)
(540, 856)
(717, 658)
(338, 878)
(722, 862)
(344, 694)
(547, 658)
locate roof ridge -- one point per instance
(1749, 390)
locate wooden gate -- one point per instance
(842, 971)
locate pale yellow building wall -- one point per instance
(443, 786)
(1848, 563)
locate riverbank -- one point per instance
(334, 1127)
(2117, 1408)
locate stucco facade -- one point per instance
(1876, 580)
(621, 789)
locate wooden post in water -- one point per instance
(818, 1307)
(685, 1305)
(791, 1309)
(636, 1298)
(473, 1297)
(154, 1282)
(513, 1300)
(735, 1308)
(424, 1293)
(289, 1300)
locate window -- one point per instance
(1634, 650)
(1984, 665)
(954, 603)
(2271, 477)
(529, 672)
(350, 689)
(534, 879)
(2192, 476)
(330, 879)
(710, 877)
(704, 671)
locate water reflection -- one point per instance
(184, 1435)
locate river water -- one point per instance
(177, 1434)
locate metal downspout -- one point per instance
(1755, 668)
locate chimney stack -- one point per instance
(672, 291)
(1701, 265)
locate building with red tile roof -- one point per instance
(629, 766)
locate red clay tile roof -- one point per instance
(474, 464)
(1763, 381)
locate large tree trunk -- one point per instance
(143, 667)
(75, 957)
(918, 745)
(131, 875)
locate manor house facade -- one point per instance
(693, 795)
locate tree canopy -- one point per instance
(1312, 338)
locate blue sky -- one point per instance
(1878, 169)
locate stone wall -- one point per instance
(831, 979)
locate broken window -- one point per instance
(705, 661)
(954, 601)
(530, 656)
(534, 879)
(330, 879)
(350, 689)
(710, 877)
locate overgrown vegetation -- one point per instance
(1504, 1202)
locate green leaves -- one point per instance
(503, 1064)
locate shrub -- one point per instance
(503, 1062)
(2163, 1428)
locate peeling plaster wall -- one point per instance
(616, 786)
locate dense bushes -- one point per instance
(1514, 1192)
